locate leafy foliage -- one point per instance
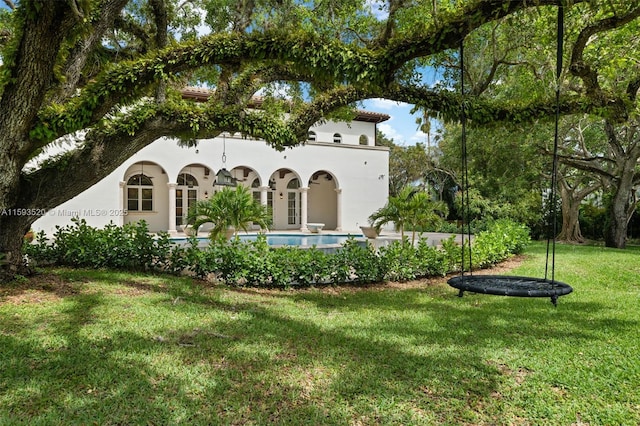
(411, 209)
(254, 263)
(234, 209)
(129, 247)
(107, 74)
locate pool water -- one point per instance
(302, 240)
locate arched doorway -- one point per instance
(293, 203)
(186, 196)
(285, 200)
(323, 199)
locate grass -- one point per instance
(103, 347)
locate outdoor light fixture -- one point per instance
(281, 195)
(223, 177)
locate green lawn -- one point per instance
(96, 347)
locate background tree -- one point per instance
(617, 165)
(407, 163)
(514, 55)
(506, 171)
(578, 134)
(406, 167)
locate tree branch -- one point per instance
(129, 26)
(388, 30)
(159, 9)
(579, 68)
(331, 60)
(448, 34)
(106, 148)
(632, 89)
(322, 105)
(28, 79)
(588, 165)
(481, 111)
(107, 12)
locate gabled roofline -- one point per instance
(200, 94)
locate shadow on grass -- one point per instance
(414, 356)
(255, 371)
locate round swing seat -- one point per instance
(505, 285)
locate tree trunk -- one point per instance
(615, 233)
(570, 232)
(572, 197)
(13, 226)
(620, 208)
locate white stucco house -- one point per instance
(338, 178)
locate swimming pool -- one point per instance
(299, 240)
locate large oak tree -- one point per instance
(105, 75)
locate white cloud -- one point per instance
(390, 132)
(202, 29)
(386, 104)
(418, 136)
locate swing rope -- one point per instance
(511, 285)
(551, 240)
(466, 210)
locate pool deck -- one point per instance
(434, 239)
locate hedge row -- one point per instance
(234, 262)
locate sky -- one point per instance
(401, 127)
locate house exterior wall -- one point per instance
(340, 184)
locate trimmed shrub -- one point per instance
(129, 247)
(254, 263)
(356, 263)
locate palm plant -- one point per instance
(229, 209)
(423, 212)
(389, 213)
(411, 208)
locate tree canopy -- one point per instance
(105, 75)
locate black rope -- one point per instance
(224, 151)
(510, 285)
(466, 211)
(551, 240)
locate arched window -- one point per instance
(139, 193)
(293, 202)
(255, 185)
(312, 137)
(364, 140)
(185, 179)
(293, 184)
(337, 138)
